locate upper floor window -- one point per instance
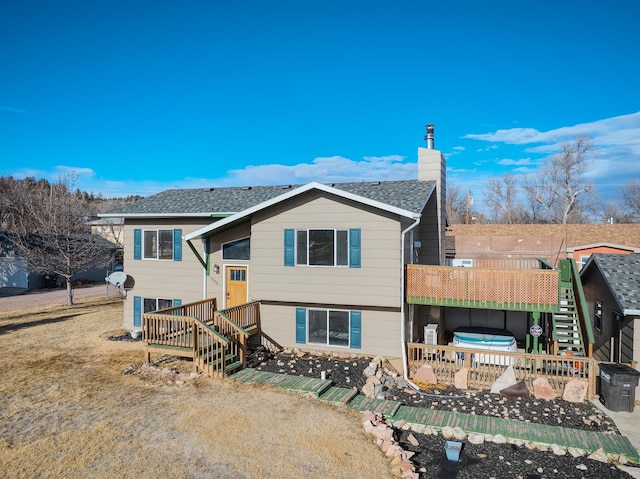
(322, 247)
(165, 244)
(158, 244)
(240, 249)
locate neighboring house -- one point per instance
(524, 242)
(111, 229)
(611, 285)
(13, 269)
(325, 261)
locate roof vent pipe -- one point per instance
(429, 136)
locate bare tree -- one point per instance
(456, 204)
(631, 198)
(560, 188)
(501, 199)
(610, 212)
(50, 229)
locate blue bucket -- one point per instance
(453, 448)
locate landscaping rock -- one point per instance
(575, 391)
(506, 379)
(425, 375)
(543, 390)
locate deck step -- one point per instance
(230, 368)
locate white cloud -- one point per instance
(325, 169)
(616, 139)
(510, 162)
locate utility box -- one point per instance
(618, 386)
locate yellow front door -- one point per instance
(236, 279)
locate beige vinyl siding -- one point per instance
(163, 278)
(376, 283)
(215, 281)
(380, 331)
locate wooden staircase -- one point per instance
(216, 340)
(566, 325)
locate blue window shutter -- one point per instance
(177, 245)
(289, 250)
(137, 311)
(354, 248)
(301, 325)
(356, 329)
(137, 244)
(177, 302)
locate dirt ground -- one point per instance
(68, 410)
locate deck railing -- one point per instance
(199, 331)
(486, 366)
(509, 289)
(245, 315)
(582, 310)
(210, 349)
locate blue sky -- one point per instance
(139, 96)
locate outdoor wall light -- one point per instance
(216, 269)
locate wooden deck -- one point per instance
(437, 419)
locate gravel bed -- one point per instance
(487, 460)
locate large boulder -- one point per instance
(518, 390)
(575, 390)
(425, 374)
(506, 379)
(543, 390)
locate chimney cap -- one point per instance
(429, 137)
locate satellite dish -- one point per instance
(117, 278)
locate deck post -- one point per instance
(536, 322)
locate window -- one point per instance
(237, 274)
(583, 259)
(157, 244)
(240, 249)
(323, 247)
(328, 326)
(156, 304)
(147, 305)
(597, 315)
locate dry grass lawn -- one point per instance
(67, 410)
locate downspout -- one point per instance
(205, 269)
(402, 307)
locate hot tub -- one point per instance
(492, 339)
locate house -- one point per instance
(527, 242)
(325, 261)
(13, 268)
(14, 271)
(611, 285)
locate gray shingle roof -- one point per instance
(410, 195)
(622, 272)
